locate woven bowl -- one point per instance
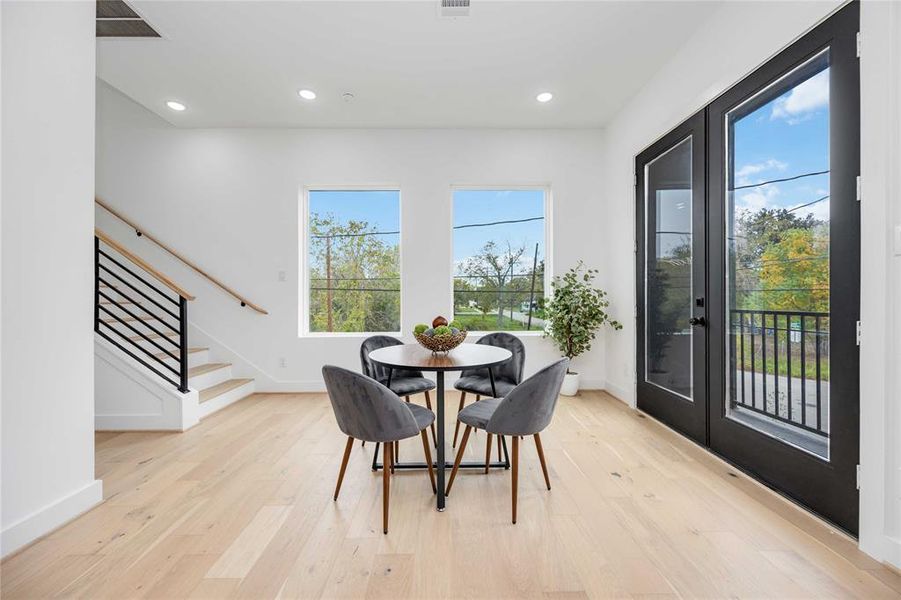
(441, 343)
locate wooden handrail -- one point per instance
(143, 232)
(145, 266)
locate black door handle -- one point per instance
(698, 322)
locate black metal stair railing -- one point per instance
(147, 323)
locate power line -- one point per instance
(808, 204)
(352, 278)
(762, 183)
(321, 289)
(774, 261)
(810, 289)
(345, 235)
(467, 226)
(498, 223)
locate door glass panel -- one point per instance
(668, 300)
(777, 259)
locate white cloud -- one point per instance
(752, 201)
(743, 174)
(805, 99)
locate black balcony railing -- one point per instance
(780, 366)
(137, 316)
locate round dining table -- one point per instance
(416, 358)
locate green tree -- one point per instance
(798, 266)
(359, 271)
(494, 268)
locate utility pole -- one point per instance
(532, 291)
(328, 280)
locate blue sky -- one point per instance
(382, 210)
(485, 206)
(788, 136)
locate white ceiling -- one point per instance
(241, 63)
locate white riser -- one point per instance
(223, 400)
(194, 358)
(201, 382)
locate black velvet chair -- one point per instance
(367, 410)
(526, 410)
(404, 382)
(506, 376)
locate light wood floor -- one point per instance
(241, 506)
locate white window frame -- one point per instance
(303, 280)
(546, 188)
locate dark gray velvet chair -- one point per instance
(506, 376)
(526, 410)
(367, 410)
(403, 382)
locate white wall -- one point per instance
(47, 267)
(737, 38)
(228, 199)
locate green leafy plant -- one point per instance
(576, 311)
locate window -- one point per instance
(352, 261)
(499, 258)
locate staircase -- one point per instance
(142, 315)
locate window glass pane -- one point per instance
(668, 305)
(353, 261)
(499, 252)
(777, 259)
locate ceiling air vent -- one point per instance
(454, 8)
(116, 19)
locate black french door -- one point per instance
(670, 227)
(777, 253)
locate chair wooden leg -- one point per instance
(478, 397)
(515, 461)
(428, 405)
(457, 426)
(488, 452)
(457, 461)
(547, 480)
(428, 460)
(386, 486)
(347, 447)
(500, 454)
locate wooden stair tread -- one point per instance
(154, 336)
(221, 388)
(163, 355)
(131, 319)
(207, 368)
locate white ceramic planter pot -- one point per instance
(570, 384)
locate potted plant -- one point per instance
(573, 315)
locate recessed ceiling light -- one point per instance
(544, 97)
(307, 94)
(174, 105)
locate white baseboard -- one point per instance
(50, 517)
(623, 395)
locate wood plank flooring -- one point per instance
(241, 507)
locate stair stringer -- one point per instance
(130, 397)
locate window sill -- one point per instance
(347, 334)
(479, 334)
